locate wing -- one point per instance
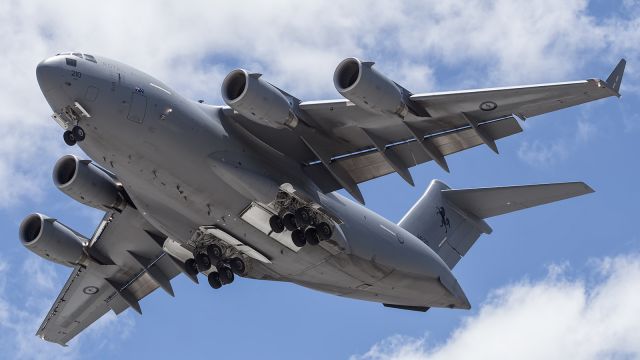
(340, 144)
(128, 264)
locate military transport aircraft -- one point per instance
(249, 188)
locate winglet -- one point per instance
(615, 79)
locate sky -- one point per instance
(557, 281)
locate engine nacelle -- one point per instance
(257, 100)
(52, 240)
(87, 183)
(359, 82)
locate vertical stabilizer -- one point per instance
(439, 224)
(451, 220)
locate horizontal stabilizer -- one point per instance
(488, 202)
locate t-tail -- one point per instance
(451, 220)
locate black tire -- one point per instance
(289, 221)
(190, 267)
(311, 236)
(297, 236)
(215, 253)
(237, 265)
(78, 133)
(303, 217)
(68, 137)
(226, 275)
(202, 262)
(324, 231)
(277, 226)
(214, 280)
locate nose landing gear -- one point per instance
(68, 137)
(78, 133)
(73, 136)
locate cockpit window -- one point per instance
(90, 58)
(77, 55)
(71, 62)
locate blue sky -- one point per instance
(568, 267)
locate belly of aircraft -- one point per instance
(179, 202)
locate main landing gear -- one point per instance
(304, 226)
(226, 268)
(76, 134)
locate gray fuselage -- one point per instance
(166, 151)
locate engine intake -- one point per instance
(87, 183)
(257, 99)
(52, 240)
(359, 82)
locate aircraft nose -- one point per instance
(49, 72)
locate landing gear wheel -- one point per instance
(277, 226)
(297, 236)
(68, 137)
(289, 221)
(311, 236)
(303, 217)
(237, 265)
(215, 253)
(226, 275)
(190, 267)
(214, 280)
(78, 133)
(324, 231)
(202, 262)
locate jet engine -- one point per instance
(87, 183)
(359, 82)
(258, 100)
(52, 240)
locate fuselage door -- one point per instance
(138, 106)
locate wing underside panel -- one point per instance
(371, 164)
(132, 265)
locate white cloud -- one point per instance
(296, 46)
(558, 317)
(542, 154)
(41, 273)
(21, 316)
(26, 294)
(585, 131)
(547, 153)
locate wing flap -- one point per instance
(370, 164)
